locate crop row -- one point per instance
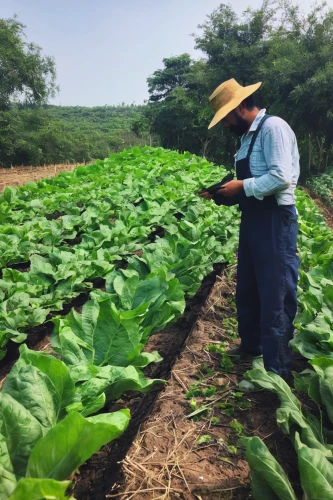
(121, 203)
(46, 404)
(322, 186)
(312, 440)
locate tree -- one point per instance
(234, 46)
(291, 53)
(173, 75)
(298, 71)
(25, 75)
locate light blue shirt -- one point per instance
(274, 161)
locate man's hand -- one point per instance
(205, 194)
(231, 188)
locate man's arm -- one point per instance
(277, 149)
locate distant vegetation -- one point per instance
(322, 185)
(65, 134)
(291, 53)
(34, 133)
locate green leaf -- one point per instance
(290, 416)
(41, 489)
(9, 194)
(324, 370)
(316, 472)
(269, 480)
(21, 430)
(7, 476)
(42, 384)
(72, 441)
(308, 382)
(100, 336)
(108, 382)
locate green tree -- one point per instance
(178, 110)
(291, 53)
(25, 74)
(297, 71)
(162, 82)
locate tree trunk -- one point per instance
(321, 152)
(327, 157)
(310, 154)
(205, 145)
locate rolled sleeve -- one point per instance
(248, 185)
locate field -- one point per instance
(117, 277)
(18, 176)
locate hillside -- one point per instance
(65, 134)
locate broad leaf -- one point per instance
(21, 431)
(42, 384)
(100, 336)
(7, 476)
(41, 489)
(72, 441)
(269, 480)
(316, 472)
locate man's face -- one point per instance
(235, 123)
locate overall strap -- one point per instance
(255, 135)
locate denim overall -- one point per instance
(267, 274)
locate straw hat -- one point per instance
(227, 97)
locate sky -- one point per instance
(105, 49)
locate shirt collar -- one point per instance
(256, 121)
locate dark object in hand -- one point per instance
(215, 187)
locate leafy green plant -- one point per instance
(220, 348)
(268, 479)
(290, 417)
(315, 470)
(204, 439)
(207, 370)
(226, 363)
(231, 327)
(194, 391)
(39, 439)
(237, 427)
(318, 383)
(226, 408)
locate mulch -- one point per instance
(165, 460)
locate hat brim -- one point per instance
(222, 112)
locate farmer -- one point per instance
(267, 170)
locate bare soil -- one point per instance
(166, 459)
(18, 176)
(98, 475)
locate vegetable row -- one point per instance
(311, 436)
(122, 201)
(47, 403)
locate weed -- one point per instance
(207, 370)
(237, 427)
(194, 391)
(219, 348)
(231, 327)
(210, 391)
(205, 438)
(226, 363)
